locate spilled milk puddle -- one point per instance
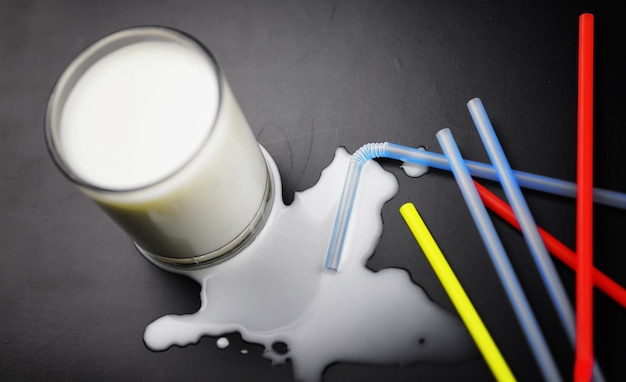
(276, 290)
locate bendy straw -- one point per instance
(438, 161)
(485, 343)
(499, 258)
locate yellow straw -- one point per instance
(455, 291)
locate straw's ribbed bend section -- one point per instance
(370, 151)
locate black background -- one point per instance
(75, 296)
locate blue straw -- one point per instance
(486, 171)
(422, 157)
(525, 219)
(499, 258)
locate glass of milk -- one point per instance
(144, 123)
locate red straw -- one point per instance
(554, 246)
(584, 203)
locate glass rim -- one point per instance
(90, 55)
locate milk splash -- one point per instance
(414, 170)
(276, 290)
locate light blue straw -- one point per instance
(526, 222)
(439, 161)
(501, 262)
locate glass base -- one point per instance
(236, 245)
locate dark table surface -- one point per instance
(311, 76)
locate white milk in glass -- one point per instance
(155, 137)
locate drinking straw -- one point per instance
(584, 203)
(522, 212)
(486, 171)
(499, 258)
(422, 157)
(554, 246)
(457, 294)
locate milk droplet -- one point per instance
(277, 291)
(414, 170)
(222, 342)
